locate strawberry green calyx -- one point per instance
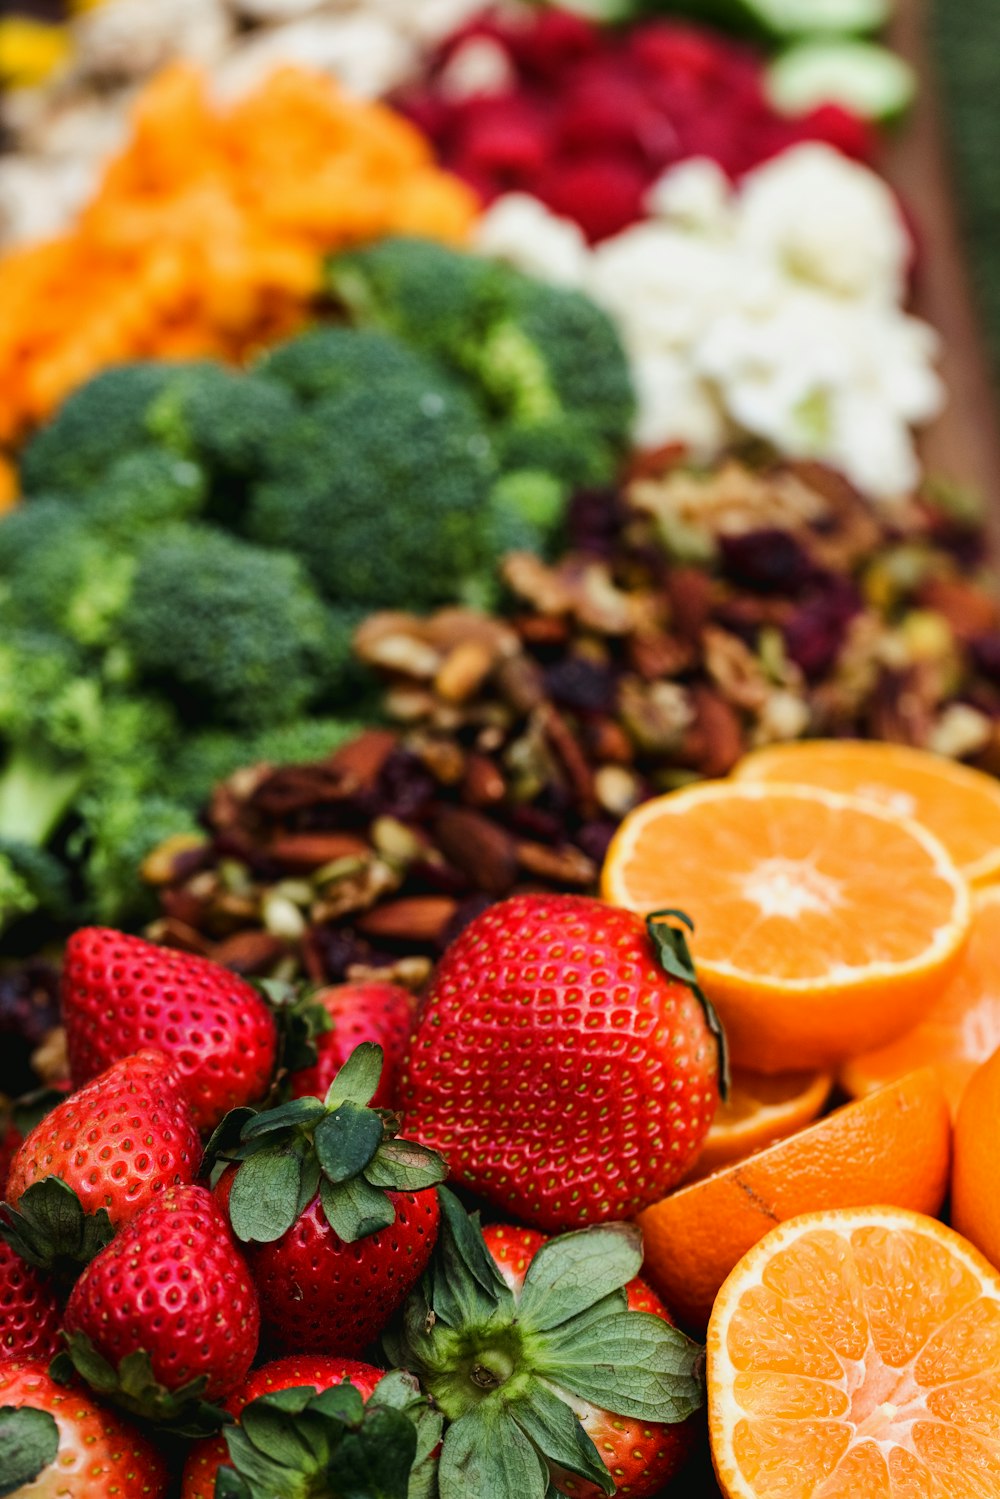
(50, 1230)
(134, 1388)
(337, 1146)
(673, 954)
(299, 1021)
(305, 1445)
(505, 1369)
(29, 1441)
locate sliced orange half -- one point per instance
(824, 925)
(855, 1354)
(759, 1110)
(962, 1028)
(961, 806)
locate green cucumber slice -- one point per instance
(865, 78)
(821, 17)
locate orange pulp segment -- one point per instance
(759, 1110)
(962, 1028)
(958, 804)
(855, 1354)
(824, 925)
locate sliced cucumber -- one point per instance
(865, 78)
(790, 18)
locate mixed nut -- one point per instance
(691, 616)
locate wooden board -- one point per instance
(964, 444)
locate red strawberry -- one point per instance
(30, 1310)
(377, 1012)
(642, 1456)
(10, 1142)
(117, 1142)
(205, 1458)
(332, 1273)
(173, 1284)
(514, 1335)
(120, 993)
(556, 1064)
(94, 1453)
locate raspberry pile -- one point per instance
(587, 119)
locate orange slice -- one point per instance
(961, 806)
(759, 1110)
(824, 925)
(856, 1355)
(975, 1201)
(893, 1146)
(962, 1028)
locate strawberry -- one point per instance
(59, 1441)
(314, 1370)
(97, 1159)
(172, 1286)
(382, 1013)
(642, 1456)
(337, 1216)
(11, 1140)
(565, 1074)
(30, 1310)
(120, 993)
(555, 1367)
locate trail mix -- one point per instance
(690, 618)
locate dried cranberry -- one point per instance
(405, 787)
(595, 839)
(985, 650)
(468, 910)
(553, 41)
(575, 682)
(335, 949)
(29, 1010)
(595, 520)
(815, 633)
(604, 194)
(768, 561)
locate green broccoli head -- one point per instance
(142, 490)
(93, 428)
(536, 353)
(32, 882)
(381, 492)
(229, 632)
(119, 830)
(59, 573)
(329, 361)
(224, 420)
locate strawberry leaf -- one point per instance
(629, 1363)
(300, 1113)
(673, 954)
(466, 1285)
(572, 1272)
(134, 1388)
(556, 1431)
(29, 1441)
(299, 1020)
(346, 1141)
(405, 1166)
(225, 1138)
(50, 1229)
(264, 1199)
(354, 1210)
(486, 1455)
(401, 1391)
(359, 1077)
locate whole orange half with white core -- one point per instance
(961, 1030)
(823, 924)
(760, 1109)
(855, 1354)
(959, 805)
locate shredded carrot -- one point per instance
(207, 234)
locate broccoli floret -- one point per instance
(566, 448)
(536, 353)
(229, 632)
(32, 882)
(328, 361)
(119, 832)
(100, 422)
(59, 573)
(206, 759)
(380, 493)
(226, 421)
(144, 490)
